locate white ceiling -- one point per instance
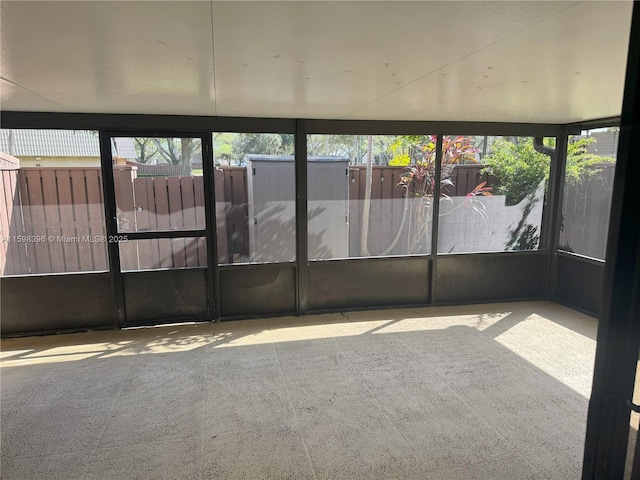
(524, 61)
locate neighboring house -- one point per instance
(59, 148)
(606, 143)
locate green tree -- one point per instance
(145, 148)
(260, 144)
(178, 151)
(519, 168)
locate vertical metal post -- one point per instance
(618, 338)
(213, 270)
(302, 245)
(552, 217)
(436, 217)
(111, 228)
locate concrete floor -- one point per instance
(475, 392)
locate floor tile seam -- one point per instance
(293, 408)
(380, 405)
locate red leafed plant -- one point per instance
(418, 153)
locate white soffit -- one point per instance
(529, 61)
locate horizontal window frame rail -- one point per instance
(173, 321)
(576, 128)
(163, 234)
(419, 127)
(195, 135)
(120, 124)
(506, 253)
(117, 123)
(254, 266)
(50, 274)
(162, 269)
(581, 258)
(417, 256)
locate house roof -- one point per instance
(60, 143)
(123, 148)
(606, 143)
(50, 143)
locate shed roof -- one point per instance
(289, 158)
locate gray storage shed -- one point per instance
(272, 220)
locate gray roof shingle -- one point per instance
(50, 143)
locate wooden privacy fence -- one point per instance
(162, 170)
(585, 213)
(52, 219)
(386, 210)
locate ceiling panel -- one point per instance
(13, 97)
(569, 67)
(128, 57)
(418, 60)
(329, 58)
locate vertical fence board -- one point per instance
(5, 215)
(147, 253)
(18, 252)
(176, 220)
(189, 217)
(31, 263)
(52, 219)
(220, 229)
(38, 222)
(124, 181)
(80, 213)
(67, 223)
(198, 187)
(162, 219)
(93, 182)
(152, 216)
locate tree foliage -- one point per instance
(519, 168)
(174, 151)
(418, 154)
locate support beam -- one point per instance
(619, 328)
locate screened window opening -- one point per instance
(588, 189)
(162, 253)
(369, 195)
(255, 197)
(492, 194)
(158, 183)
(51, 202)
